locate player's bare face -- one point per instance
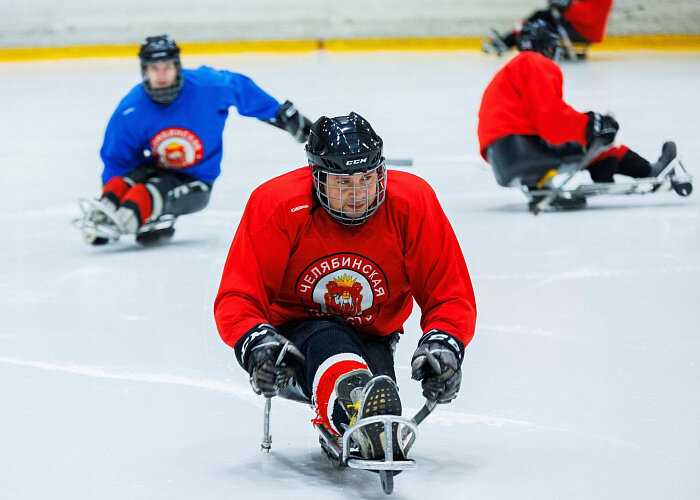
(161, 75)
(352, 195)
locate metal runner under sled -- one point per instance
(554, 185)
(544, 173)
(98, 222)
(152, 231)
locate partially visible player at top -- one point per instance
(583, 22)
(331, 257)
(525, 124)
(163, 145)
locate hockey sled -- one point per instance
(555, 191)
(342, 450)
(98, 223)
(545, 173)
(91, 223)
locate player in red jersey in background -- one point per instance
(526, 128)
(582, 21)
(331, 257)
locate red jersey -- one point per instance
(290, 260)
(589, 17)
(525, 97)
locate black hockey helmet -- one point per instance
(346, 146)
(155, 49)
(540, 36)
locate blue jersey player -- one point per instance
(163, 145)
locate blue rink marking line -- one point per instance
(230, 388)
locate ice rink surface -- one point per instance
(583, 379)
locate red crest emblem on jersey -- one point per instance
(344, 295)
(347, 285)
(175, 155)
(176, 147)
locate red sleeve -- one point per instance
(438, 275)
(589, 18)
(541, 82)
(253, 271)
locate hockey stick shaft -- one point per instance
(568, 46)
(267, 438)
(297, 357)
(427, 409)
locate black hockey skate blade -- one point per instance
(382, 399)
(569, 203)
(152, 237)
(557, 203)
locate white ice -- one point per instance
(582, 381)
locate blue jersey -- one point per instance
(185, 135)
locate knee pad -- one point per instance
(138, 199)
(115, 189)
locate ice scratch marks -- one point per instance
(236, 390)
(443, 418)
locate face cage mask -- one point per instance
(167, 94)
(363, 192)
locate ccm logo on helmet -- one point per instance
(356, 162)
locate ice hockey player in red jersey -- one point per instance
(331, 257)
(583, 22)
(526, 128)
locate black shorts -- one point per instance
(180, 193)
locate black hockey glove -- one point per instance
(601, 127)
(288, 118)
(560, 4)
(437, 363)
(267, 356)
